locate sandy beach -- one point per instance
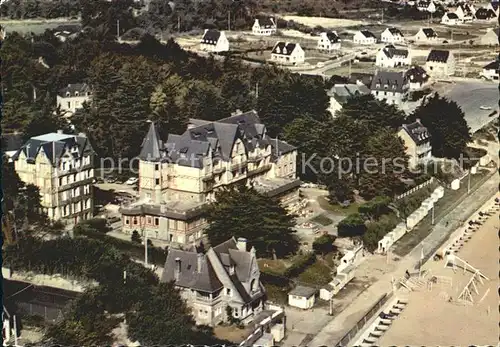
(430, 320)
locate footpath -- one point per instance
(345, 320)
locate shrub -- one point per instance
(376, 230)
(375, 208)
(352, 225)
(324, 244)
(136, 238)
(97, 224)
(300, 265)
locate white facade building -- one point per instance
(450, 18)
(392, 35)
(490, 71)
(426, 35)
(390, 57)
(264, 27)
(302, 297)
(364, 37)
(71, 98)
(287, 53)
(391, 87)
(328, 41)
(214, 41)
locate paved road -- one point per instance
(470, 96)
(337, 327)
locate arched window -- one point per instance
(253, 285)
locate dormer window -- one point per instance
(76, 93)
(231, 270)
(68, 94)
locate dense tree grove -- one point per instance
(243, 212)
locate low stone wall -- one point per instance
(54, 281)
(413, 190)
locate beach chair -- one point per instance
(385, 322)
(376, 334)
(403, 301)
(382, 328)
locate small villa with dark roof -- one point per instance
(417, 140)
(390, 57)
(328, 41)
(427, 35)
(440, 63)
(71, 97)
(450, 18)
(390, 87)
(490, 71)
(485, 14)
(392, 35)
(180, 175)
(417, 77)
(214, 41)
(264, 26)
(287, 53)
(364, 37)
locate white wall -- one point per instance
(301, 302)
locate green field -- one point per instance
(33, 26)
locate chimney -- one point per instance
(177, 270)
(418, 120)
(82, 135)
(60, 131)
(242, 244)
(200, 262)
(191, 126)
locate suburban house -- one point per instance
(287, 53)
(440, 63)
(426, 6)
(62, 166)
(71, 98)
(485, 14)
(417, 77)
(490, 71)
(227, 275)
(328, 41)
(465, 12)
(339, 94)
(214, 41)
(302, 297)
(390, 57)
(427, 35)
(417, 141)
(11, 144)
(494, 7)
(390, 87)
(364, 37)
(490, 38)
(66, 32)
(450, 18)
(179, 176)
(392, 35)
(264, 26)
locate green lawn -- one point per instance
(317, 274)
(322, 219)
(337, 209)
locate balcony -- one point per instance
(255, 158)
(81, 168)
(219, 170)
(207, 299)
(259, 170)
(238, 166)
(67, 186)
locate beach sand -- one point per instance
(430, 320)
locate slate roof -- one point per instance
(368, 34)
(11, 142)
(190, 276)
(344, 91)
(417, 132)
(302, 291)
(283, 48)
(494, 65)
(494, 4)
(484, 13)
(395, 31)
(438, 56)
(54, 145)
(417, 74)
(206, 137)
(451, 15)
(429, 32)
(72, 89)
(210, 37)
(332, 37)
(390, 51)
(266, 22)
(388, 81)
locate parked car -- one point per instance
(132, 180)
(486, 108)
(110, 179)
(112, 220)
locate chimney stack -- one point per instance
(418, 120)
(82, 135)
(60, 131)
(200, 262)
(177, 270)
(242, 244)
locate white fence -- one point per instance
(413, 190)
